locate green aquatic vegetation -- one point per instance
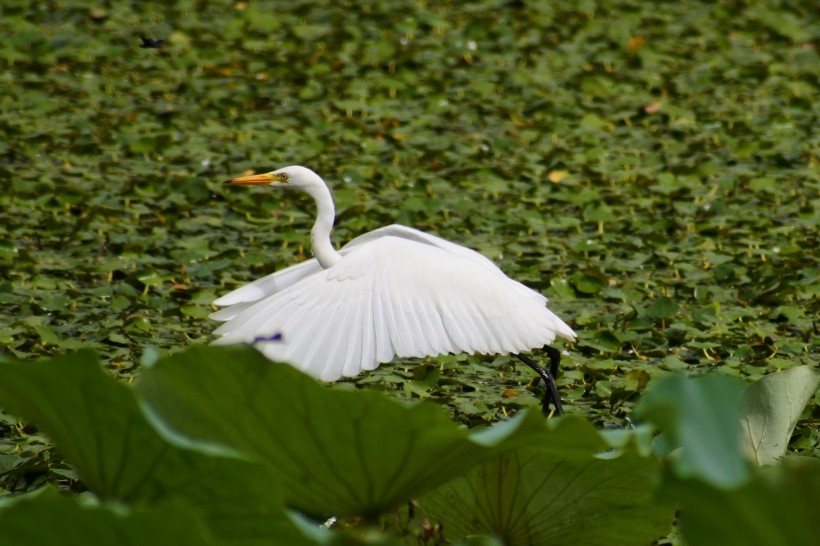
(650, 168)
(253, 453)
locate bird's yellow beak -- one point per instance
(257, 179)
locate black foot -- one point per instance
(551, 394)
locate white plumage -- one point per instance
(395, 291)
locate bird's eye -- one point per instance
(284, 177)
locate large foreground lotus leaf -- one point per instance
(700, 421)
(777, 507)
(48, 519)
(534, 497)
(338, 452)
(772, 407)
(98, 427)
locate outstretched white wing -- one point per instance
(396, 291)
(284, 278)
(241, 298)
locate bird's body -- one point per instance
(393, 292)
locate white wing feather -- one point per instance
(396, 291)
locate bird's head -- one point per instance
(295, 177)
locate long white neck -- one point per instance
(320, 234)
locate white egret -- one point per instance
(395, 291)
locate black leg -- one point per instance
(555, 359)
(551, 394)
